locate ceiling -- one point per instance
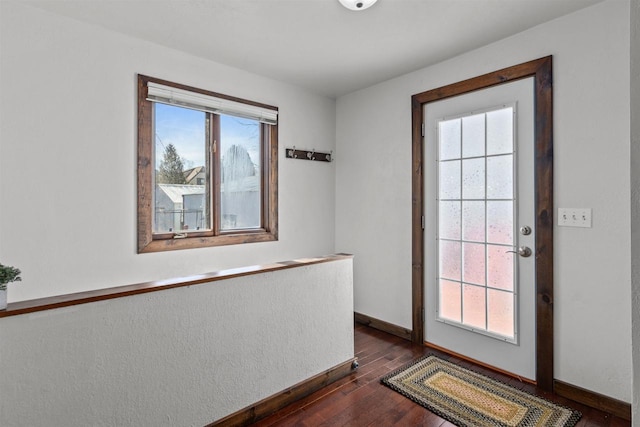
(318, 44)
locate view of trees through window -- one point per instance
(171, 170)
(185, 170)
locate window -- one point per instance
(207, 168)
(476, 207)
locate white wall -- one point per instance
(591, 137)
(178, 357)
(635, 202)
(68, 157)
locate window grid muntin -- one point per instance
(486, 244)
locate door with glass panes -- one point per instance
(479, 226)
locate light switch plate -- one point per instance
(574, 217)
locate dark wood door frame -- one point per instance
(541, 71)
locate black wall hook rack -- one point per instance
(294, 153)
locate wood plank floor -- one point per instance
(360, 399)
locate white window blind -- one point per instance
(197, 101)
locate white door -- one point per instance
(479, 226)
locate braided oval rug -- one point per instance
(467, 398)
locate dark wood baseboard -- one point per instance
(383, 326)
(595, 400)
(272, 404)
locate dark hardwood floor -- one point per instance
(360, 399)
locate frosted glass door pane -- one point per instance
(473, 179)
(500, 267)
(500, 222)
(449, 137)
(500, 131)
(500, 177)
(450, 300)
(450, 257)
(473, 222)
(500, 312)
(473, 136)
(473, 263)
(450, 180)
(449, 220)
(473, 306)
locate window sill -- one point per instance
(160, 245)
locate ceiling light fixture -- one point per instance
(357, 4)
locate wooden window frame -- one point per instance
(150, 242)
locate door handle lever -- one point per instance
(523, 251)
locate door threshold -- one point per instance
(479, 363)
